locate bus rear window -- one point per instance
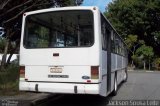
(59, 29)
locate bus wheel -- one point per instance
(125, 76)
(114, 93)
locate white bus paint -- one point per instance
(75, 61)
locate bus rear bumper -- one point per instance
(71, 88)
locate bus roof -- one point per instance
(63, 8)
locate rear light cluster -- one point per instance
(94, 72)
(22, 71)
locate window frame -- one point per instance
(93, 29)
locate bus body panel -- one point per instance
(75, 63)
(103, 87)
(69, 74)
(80, 56)
(65, 88)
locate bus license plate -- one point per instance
(58, 76)
(56, 69)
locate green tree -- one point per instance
(131, 40)
(146, 52)
(157, 63)
(137, 17)
(133, 43)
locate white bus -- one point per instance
(71, 50)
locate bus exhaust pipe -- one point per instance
(75, 89)
(36, 87)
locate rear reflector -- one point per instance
(55, 54)
(88, 81)
(94, 72)
(26, 79)
(22, 71)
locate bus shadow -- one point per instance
(80, 100)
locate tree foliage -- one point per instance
(12, 11)
(131, 40)
(145, 51)
(137, 17)
(146, 54)
(157, 63)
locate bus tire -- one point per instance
(125, 76)
(114, 92)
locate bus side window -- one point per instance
(104, 33)
(113, 43)
(104, 37)
(116, 44)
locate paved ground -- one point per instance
(140, 86)
(25, 99)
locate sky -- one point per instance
(100, 3)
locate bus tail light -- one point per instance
(22, 71)
(94, 72)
